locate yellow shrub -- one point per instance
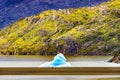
(3, 41)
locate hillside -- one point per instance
(12, 10)
(82, 31)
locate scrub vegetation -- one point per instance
(81, 31)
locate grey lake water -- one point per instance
(62, 77)
(79, 61)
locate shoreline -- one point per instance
(51, 56)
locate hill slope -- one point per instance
(81, 31)
(12, 10)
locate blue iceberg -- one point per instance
(58, 61)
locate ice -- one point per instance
(58, 61)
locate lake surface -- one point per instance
(81, 61)
(51, 77)
(78, 61)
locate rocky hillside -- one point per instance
(82, 31)
(12, 10)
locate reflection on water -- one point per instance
(83, 77)
(106, 79)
